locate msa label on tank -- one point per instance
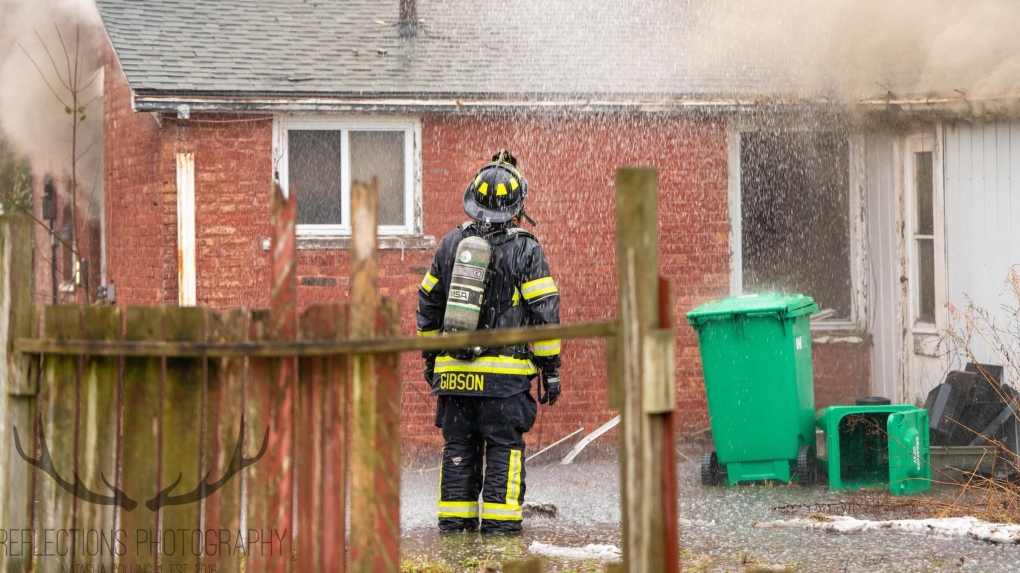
(798, 343)
(467, 285)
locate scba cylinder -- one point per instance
(467, 287)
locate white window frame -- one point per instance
(924, 331)
(849, 330)
(411, 127)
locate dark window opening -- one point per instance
(795, 216)
(924, 235)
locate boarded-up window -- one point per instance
(795, 216)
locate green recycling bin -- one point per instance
(756, 356)
(877, 446)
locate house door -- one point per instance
(923, 259)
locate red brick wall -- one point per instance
(133, 208)
(842, 372)
(570, 163)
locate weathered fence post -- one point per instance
(644, 363)
(18, 384)
(275, 395)
(373, 526)
(364, 297)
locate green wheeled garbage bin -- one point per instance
(756, 356)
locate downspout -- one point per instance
(186, 266)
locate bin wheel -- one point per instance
(807, 467)
(710, 472)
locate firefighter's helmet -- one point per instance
(496, 194)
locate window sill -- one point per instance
(847, 335)
(385, 242)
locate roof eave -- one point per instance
(433, 103)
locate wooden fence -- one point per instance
(188, 439)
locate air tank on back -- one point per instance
(467, 287)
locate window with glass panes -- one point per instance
(322, 159)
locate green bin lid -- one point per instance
(785, 306)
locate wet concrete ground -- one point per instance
(715, 534)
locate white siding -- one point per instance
(884, 316)
(982, 191)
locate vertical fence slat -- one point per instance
(387, 471)
(335, 448)
(670, 489)
(57, 411)
(181, 440)
(224, 403)
(266, 544)
(140, 438)
(316, 323)
(18, 483)
(98, 432)
(19, 318)
(641, 436)
(278, 395)
(364, 306)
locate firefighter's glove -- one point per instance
(430, 368)
(551, 385)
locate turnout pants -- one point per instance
(490, 431)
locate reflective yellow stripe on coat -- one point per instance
(538, 288)
(486, 365)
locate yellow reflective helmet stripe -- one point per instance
(547, 347)
(501, 189)
(428, 332)
(538, 288)
(486, 365)
(483, 188)
(429, 282)
(514, 184)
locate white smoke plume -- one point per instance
(863, 48)
(48, 50)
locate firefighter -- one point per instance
(484, 401)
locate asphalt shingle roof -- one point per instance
(481, 48)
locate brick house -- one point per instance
(421, 93)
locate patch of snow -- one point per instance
(945, 527)
(590, 551)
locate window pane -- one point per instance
(925, 191)
(380, 154)
(926, 280)
(795, 208)
(314, 172)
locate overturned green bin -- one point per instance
(877, 446)
(756, 356)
